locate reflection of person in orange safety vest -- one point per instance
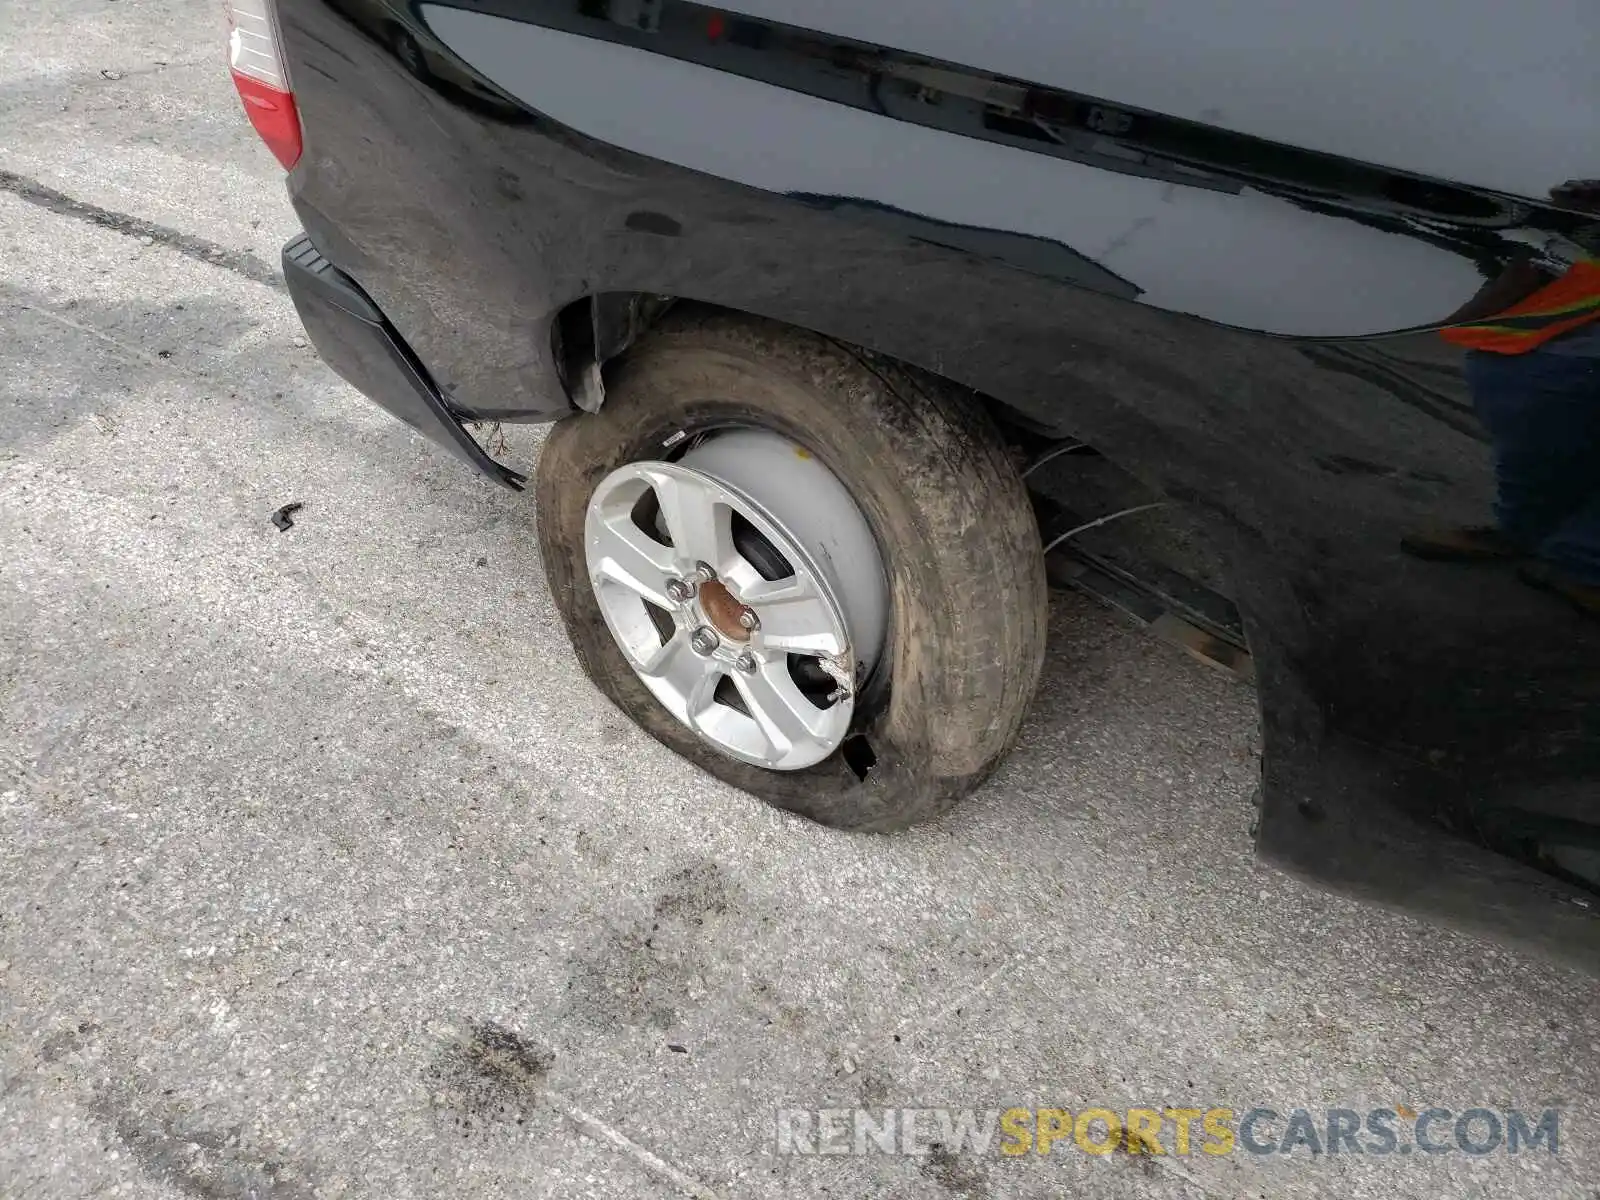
(1553, 310)
(1533, 366)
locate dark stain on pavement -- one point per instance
(238, 261)
(67, 1040)
(954, 1174)
(647, 971)
(876, 1088)
(204, 1163)
(491, 1076)
(699, 890)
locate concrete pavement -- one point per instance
(323, 871)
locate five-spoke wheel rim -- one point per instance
(756, 659)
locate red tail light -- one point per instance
(255, 55)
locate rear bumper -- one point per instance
(353, 337)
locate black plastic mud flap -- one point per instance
(353, 337)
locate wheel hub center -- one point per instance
(723, 611)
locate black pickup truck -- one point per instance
(836, 306)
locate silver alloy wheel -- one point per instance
(718, 618)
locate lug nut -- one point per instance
(748, 620)
(746, 663)
(703, 641)
(704, 572)
(679, 591)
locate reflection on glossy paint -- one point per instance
(1198, 220)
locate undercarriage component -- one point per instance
(1126, 573)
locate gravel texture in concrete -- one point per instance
(325, 873)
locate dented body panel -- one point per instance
(1210, 240)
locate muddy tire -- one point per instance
(951, 518)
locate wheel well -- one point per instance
(592, 330)
(1163, 570)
